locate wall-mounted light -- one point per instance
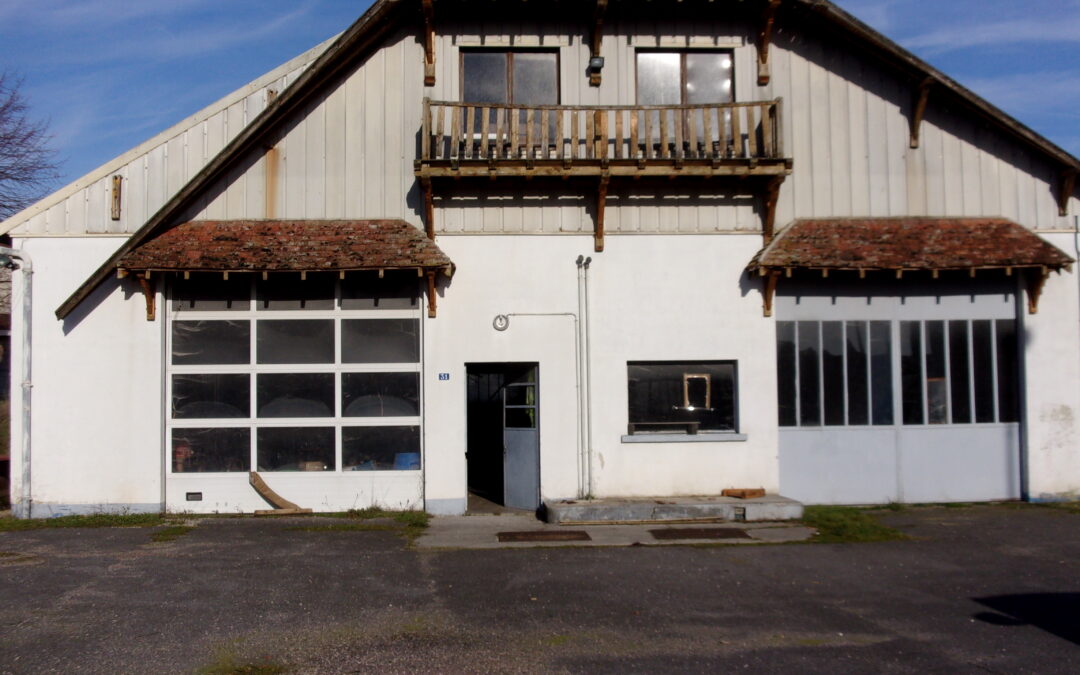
(596, 63)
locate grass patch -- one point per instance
(847, 525)
(1067, 507)
(171, 533)
(95, 520)
(229, 666)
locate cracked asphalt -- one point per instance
(977, 589)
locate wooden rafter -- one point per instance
(1037, 277)
(601, 204)
(772, 196)
(429, 42)
(769, 290)
(918, 109)
(597, 39)
(1066, 186)
(150, 294)
(764, 40)
(431, 294)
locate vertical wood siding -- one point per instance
(349, 153)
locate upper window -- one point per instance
(515, 77)
(681, 397)
(685, 78)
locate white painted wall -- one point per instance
(1052, 353)
(656, 298)
(97, 403)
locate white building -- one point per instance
(453, 249)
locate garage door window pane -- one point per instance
(210, 396)
(1008, 409)
(380, 448)
(212, 293)
(857, 371)
(959, 372)
(296, 395)
(210, 450)
(296, 449)
(211, 343)
(937, 395)
(295, 341)
(911, 374)
(380, 341)
(982, 347)
(832, 365)
(380, 394)
(881, 377)
(809, 392)
(785, 371)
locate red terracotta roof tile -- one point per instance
(908, 243)
(286, 245)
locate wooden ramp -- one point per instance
(282, 506)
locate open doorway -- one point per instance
(503, 434)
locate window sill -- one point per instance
(720, 437)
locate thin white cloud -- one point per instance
(1025, 94)
(877, 13)
(1063, 27)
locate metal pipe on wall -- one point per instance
(16, 259)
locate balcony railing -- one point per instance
(729, 134)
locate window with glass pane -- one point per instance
(295, 341)
(380, 448)
(786, 374)
(681, 397)
(380, 341)
(211, 343)
(211, 450)
(380, 394)
(295, 394)
(685, 78)
(213, 396)
(510, 77)
(295, 449)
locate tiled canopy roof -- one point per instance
(286, 245)
(908, 244)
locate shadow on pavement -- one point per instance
(1056, 613)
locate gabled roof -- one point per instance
(286, 246)
(866, 244)
(385, 15)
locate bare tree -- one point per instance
(27, 164)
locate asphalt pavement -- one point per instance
(978, 589)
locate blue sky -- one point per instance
(108, 74)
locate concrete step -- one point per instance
(673, 509)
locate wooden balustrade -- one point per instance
(488, 132)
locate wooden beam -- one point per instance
(429, 42)
(601, 205)
(150, 295)
(429, 208)
(1037, 277)
(769, 290)
(597, 40)
(117, 187)
(764, 39)
(918, 109)
(1066, 186)
(772, 196)
(431, 295)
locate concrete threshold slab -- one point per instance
(674, 509)
(481, 532)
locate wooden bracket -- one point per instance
(151, 296)
(769, 291)
(429, 208)
(1066, 186)
(597, 40)
(429, 42)
(431, 295)
(772, 196)
(764, 70)
(601, 205)
(918, 109)
(1037, 277)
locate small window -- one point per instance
(685, 78)
(687, 397)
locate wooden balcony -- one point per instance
(473, 139)
(602, 143)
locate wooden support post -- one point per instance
(597, 40)
(1066, 186)
(151, 296)
(764, 72)
(769, 291)
(429, 208)
(1036, 280)
(601, 204)
(429, 42)
(918, 109)
(772, 196)
(431, 294)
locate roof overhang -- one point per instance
(275, 246)
(901, 245)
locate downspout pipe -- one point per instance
(15, 259)
(587, 363)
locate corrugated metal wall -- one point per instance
(350, 154)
